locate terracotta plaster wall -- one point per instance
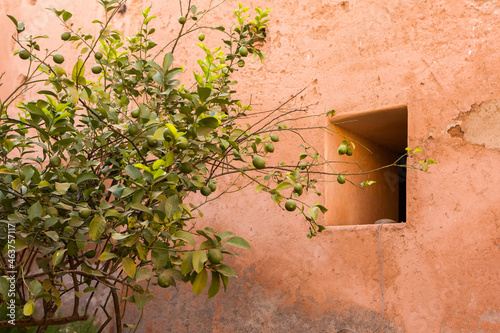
(441, 269)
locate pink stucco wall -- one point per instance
(441, 269)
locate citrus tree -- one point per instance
(97, 174)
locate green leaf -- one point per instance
(78, 71)
(187, 263)
(4, 287)
(210, 122)
(204, 93)
(158, 78)
(158, 163)
(143, 273)
(75, 95)
(238, 242)
(214, 285)
(47, 92)
(321, 207)
(52, 235)
(58, 70)
(35, 287)
(140, 301)
(35, 211)
(171, 205)
(97, 227)
(89, 289)
(19, 245)
(29, 308)
(81, 241)
(66, 16)
(141, 207)
(200, 282)
(175, 274)
(184, 235)
(313, 212)
(199, 259)
(283, 185)
(159, 255)
(226, 270)
(260, 188)
(17, 184)
(133, 172)
(142, 251)
(167, 61)
(169, 159)
(119, 236)
(85, 177)
(129, 267)
(13, 20)
(224, 235)
(58, 256)
(107, 256)
(172, 129)
(62, 188)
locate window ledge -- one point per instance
(362, 227)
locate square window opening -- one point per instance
(380, 139)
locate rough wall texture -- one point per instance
(441, 59)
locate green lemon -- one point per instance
(73, 187)
(90, 254)
(58, 58)
(270, 147)
(206, 191)
(243, 51)
(164, 281)
(240, 63)
(152, 142)
(96, 69)
(168, 135)
(342, 150)
(98, 55)
(133, 130)
(186, 167)
(182, 20)
(55, 161)
(212, 186)
(84, 213)
(258, 162)
(135, 113)
(290, 205)
(66, 35)
(182, 143)
(52, 211)
(275, 138)
(201, 37)
(215, 256)
(341, 179)
(349, 151)
(23, 54)
(298, 188)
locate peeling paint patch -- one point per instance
(456, 132)
(480, 125)
(491, 317)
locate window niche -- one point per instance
(384, 133)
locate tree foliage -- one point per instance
(96, 173)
